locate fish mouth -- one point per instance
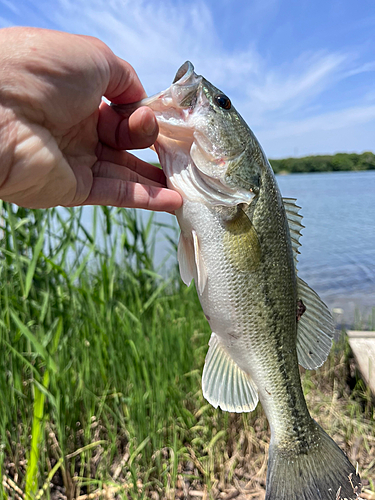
(184, 73)
(173, 106)
(185, 86)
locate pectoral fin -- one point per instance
(190, 261)
(315, 328)
(185, 257)
(224, 384)
(200, 266)
(241, 242)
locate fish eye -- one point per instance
(223, 101)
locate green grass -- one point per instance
(101, 366)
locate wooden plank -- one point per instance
(363, 347)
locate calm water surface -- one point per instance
(338, 243)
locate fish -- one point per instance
(239, 241)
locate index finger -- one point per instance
(124, 85)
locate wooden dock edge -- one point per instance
(362, 344)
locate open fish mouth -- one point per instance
(185, 86)
(174, 105)
(184, 73)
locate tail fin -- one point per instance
(321, 473)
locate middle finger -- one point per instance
(125, 159)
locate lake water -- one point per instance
(338, 243)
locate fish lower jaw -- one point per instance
(175, 118)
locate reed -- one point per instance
(101, 365)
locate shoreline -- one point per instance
(356, 311)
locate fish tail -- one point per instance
(319, 472)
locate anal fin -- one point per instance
(224, 383)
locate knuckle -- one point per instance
(122, 196)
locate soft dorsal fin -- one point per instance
(191, 262)
(315, 328)
(295, 225)
(224, 383)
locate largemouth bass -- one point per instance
(239, 242)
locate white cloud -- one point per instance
(364, 68)
(324, 122)
(348, 130)
(293, 86)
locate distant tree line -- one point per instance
(326, 163)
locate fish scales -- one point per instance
(239, 241)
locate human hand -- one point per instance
(60, 144)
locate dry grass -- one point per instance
(234, 463)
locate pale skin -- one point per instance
(60, 144)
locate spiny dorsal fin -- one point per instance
(315, 328)
(295, 225)
(224, 384)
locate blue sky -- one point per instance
(301, 72)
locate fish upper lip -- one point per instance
(186, 71)
(184, 88)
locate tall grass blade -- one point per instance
(52, 472)
(39, 348)
(17, 253)
(138, 450)
(31, 269)
(36, 438)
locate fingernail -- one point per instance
(149, 126)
